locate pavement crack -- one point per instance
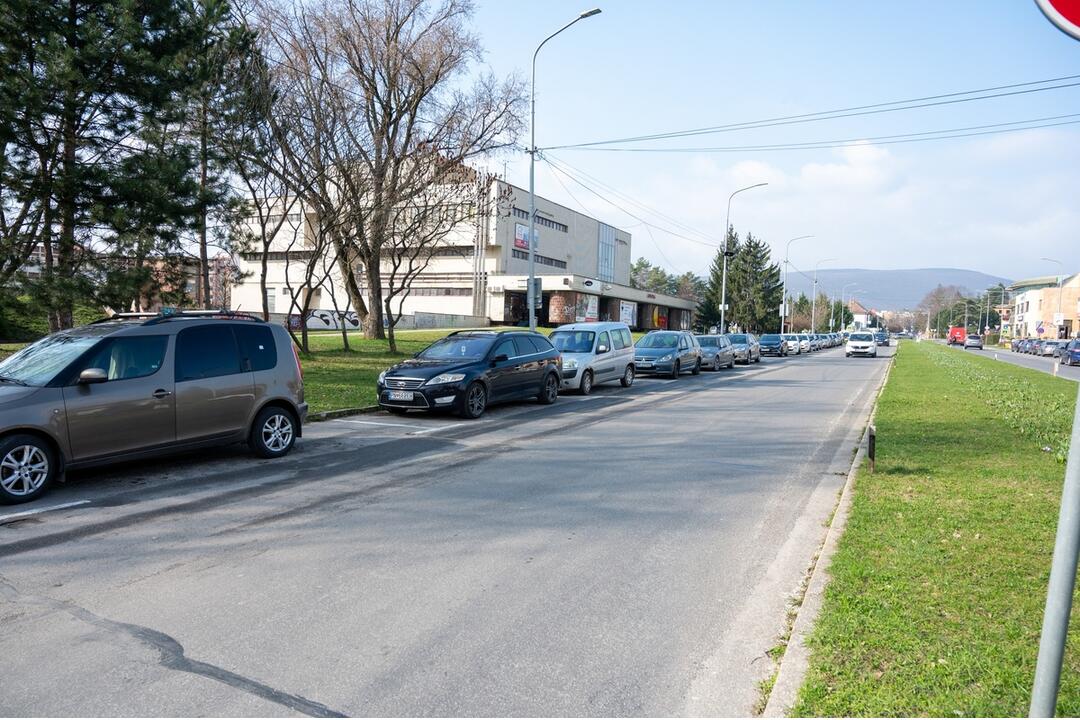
(171, 653)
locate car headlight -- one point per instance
(382, 377)
(446, 378)
(569, 363)
(666, 358)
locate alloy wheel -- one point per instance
(477, 400)
(277, 432)
(23, 470)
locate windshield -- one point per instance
(707, 341)
(862, 337)
(39, 363)
(459, 347)
(658, 340)
(738, 339)
(770, 338)
(572, 341)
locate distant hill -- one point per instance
(891, 289)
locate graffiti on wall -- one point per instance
(326, 320)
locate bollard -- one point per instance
(871, 449)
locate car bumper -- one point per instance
(654, 367)
(423, 397)
(302, 410)
(571, 379)
(772, 351)
(872, 350)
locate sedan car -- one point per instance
(716, 352)
(773, 344)
(667, 352)
(1070, 354)
(470, 370)
(973, 341)
(746, 346)
(861, 343)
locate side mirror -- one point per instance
(500, 358)
(92, 376)
(601, 349)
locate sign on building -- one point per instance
(628, 312)
(521, 235)
(588, 308)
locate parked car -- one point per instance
(141, 385)
(667, 352)
(1014, 344)
(594, 353)
(794, 345)
(804, 343)
(1046, 348)
(772, 344)
(973, 341)
(861, 343)
(747, 349)
(1070, 354)
(716, 352)
(468, 371)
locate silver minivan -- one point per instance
(593, 353)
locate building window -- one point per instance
(278, 256)
(271, 300)
(606, 260)
(440, 291)
(522, 255)
(542, 221)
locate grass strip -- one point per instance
(937, 588)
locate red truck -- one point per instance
(957, 335)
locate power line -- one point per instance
(855, 111)
(903, 138)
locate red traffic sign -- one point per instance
(1063, 13)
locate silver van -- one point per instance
(139, 385)
(593, 353)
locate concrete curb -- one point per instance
(344, 412)
(796, 659)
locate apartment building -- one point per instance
(1046, 307)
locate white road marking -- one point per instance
(383, 424)
(38, 511)
(437, 428)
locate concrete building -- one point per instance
(476, 275)
(1043, 308)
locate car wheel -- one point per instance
(675, 370)
(716, 364)
(27, 468)
(731, 365)
(586, 382)
(549, 392)
(697, 367)
(475, 401)
(273, 432)
(847, 354)
(757, 359)
(627, 376)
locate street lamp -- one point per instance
(1060, 278)
(531, 296)
(723, 282)
(843, 307)
(783, 293)
(813, 305)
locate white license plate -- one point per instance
(401, 395)
(644, 364)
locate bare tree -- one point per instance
(374, 114)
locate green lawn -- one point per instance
(937, 591)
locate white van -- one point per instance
(594, 353)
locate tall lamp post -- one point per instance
(723, 282)
(1060, 279)
(783, 293)
(813, 304)
(531, 296)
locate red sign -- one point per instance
(1063, 13)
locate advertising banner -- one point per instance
(628, 312)
(521, 235)
(588, 308)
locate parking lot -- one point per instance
(625, 552)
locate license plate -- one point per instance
(401, 395)
(645, 364)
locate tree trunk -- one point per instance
(204, 262)
(373, 328)
(348, 277)
(262, 282)
(390, 322)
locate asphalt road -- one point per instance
(1035, 362)
(627, 553)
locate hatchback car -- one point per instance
(716, 352)
(594, 353)
(861, 343)
(138, 385)
(1070, 354)
(667, 352)
(746, 346)
(973, 341)
(794, 346)
(772, 344)
(882, 338)
(467, 371)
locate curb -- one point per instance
(344, 412)
(796, 658)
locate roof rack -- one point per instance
(167, 314)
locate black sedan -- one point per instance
(772, 344)
(467, 371)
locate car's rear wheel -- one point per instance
(549, 391)
(697, 367)
(627, 376)
(27, 468)
(586, 382)
(475, 401)
(675, 370)
(273, 432)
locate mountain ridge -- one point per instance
(901, 289)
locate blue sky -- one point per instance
(995, 203)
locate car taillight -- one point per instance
(296, 357)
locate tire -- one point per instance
(731, 365)
(847, 354)
(716, 363)
(627, 377)
(474, 402)
(675, 370)
(586, 386)
(27, 468)
(549, 391)
(757, 359)
(697, 367)
(273, 433)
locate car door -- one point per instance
(530, 360)
(134, 409)
(686, 359)
(502, 377)
(604, 362)
(215, 395)
(622, 352)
